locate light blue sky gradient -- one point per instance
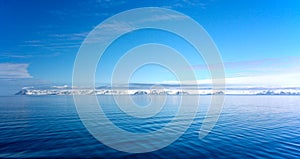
(256, 39)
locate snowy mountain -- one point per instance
(162, 90)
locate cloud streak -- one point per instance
(267, 72)
(263, 66)
(272, 80)
(13, 71)
(187, 3)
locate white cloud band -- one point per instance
(13, 70)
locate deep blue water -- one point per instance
(249, 127)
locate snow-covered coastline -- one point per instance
(64, 90)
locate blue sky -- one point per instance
(258, 40)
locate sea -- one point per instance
(249, 126)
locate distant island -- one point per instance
(162, 90)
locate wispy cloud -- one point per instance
(70, 36)
(56, 39)
(13, 70)
(52, 44)
(156, 17)
(10, 55)
(271, 80)
(110, 3)
(259, 66)
(24, 55)
(281, 80)
(187, 3)
(53, 41)
(110, 29)
(279, 72)
(104, 32)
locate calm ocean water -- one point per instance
(249, 127)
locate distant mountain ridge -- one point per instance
(155, 89)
